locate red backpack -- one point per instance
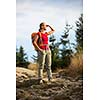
(39, 42)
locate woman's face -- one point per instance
(43, 26)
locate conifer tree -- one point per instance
(79, 34)
(21, 57)
(66, 50)
(54, 46)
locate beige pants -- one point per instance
(44, 58)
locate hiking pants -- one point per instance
(44, 58)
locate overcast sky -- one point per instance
(30, 13)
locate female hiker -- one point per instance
(43, 50)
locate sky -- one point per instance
(30, 13)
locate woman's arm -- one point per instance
(35, 43)
(52, 30)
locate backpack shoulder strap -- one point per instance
(39, 34)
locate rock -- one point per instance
(25, 77)
(61, 88)
(27, 83)
(27, 72)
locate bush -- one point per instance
(76, 66)
(75, 69)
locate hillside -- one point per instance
(61, 88)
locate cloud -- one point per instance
(29, 13)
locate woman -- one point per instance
(44, 53)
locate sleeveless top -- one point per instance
(44, 39)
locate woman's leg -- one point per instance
(48, 64)
(41, 62)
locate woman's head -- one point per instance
(42, 26)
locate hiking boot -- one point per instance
(50, 80)
(40, 81)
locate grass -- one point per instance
(75, 69)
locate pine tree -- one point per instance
(79, 34)
(66, 50)
(21, 57)
(54, 46)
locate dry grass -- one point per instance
(33, 66)
(75, 69)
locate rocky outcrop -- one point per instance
(25, 77)
(61, 87)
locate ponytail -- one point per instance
(39, 30)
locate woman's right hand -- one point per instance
(41, 50)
